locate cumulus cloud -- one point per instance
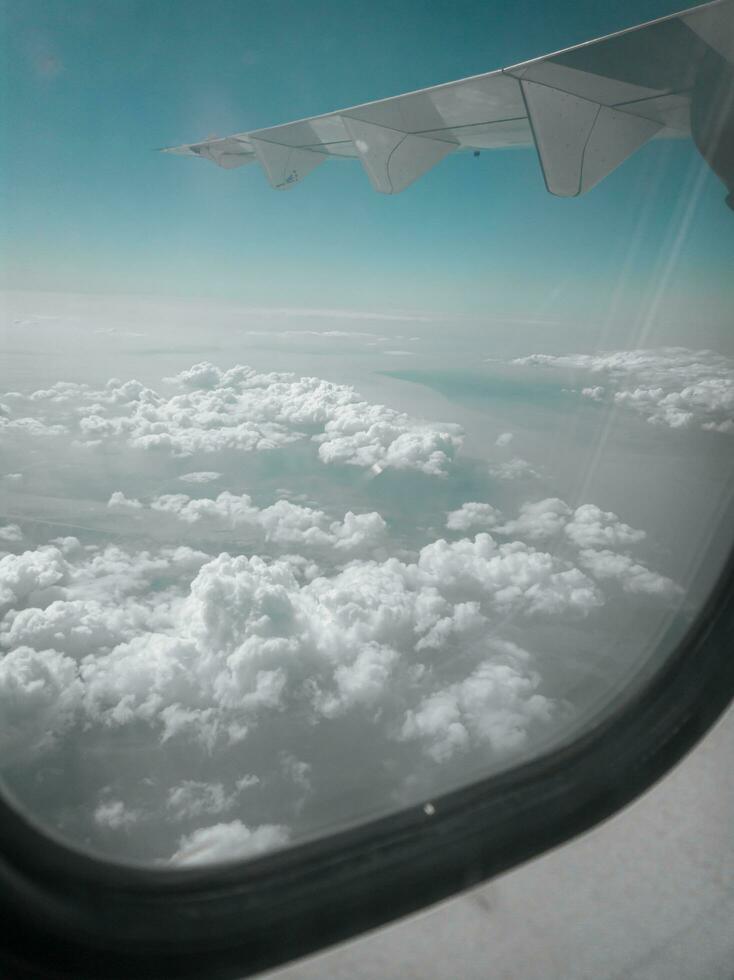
(40, 693)
(540, 520)
(228, 842)
(209, 648)
(218, 644)
(671, 386)
(311, 633)
(504, 439)
(282, 523)
(244, 410)
(496, 706)
(120, 504)
(591, 527)
(586, 527)
(31, 576)
(632, 575)
(473, 515)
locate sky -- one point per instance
(92, 88)
(321, 503)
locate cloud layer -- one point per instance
(239, 409)
(283, 523)
(221, 698)
(671, 386)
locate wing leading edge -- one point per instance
(585, 109)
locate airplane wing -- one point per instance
(585, 109)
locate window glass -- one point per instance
(317, 504)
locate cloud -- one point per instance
(115, 815)
(632, 575)
(473, 515)
(220, 665)
(591, 527)
(283, 523)
(496, 706)
(247, 411)
(539, 521)
(27, 426)
(202, 476)
(30, 576)
(671, 386)
(120, 504)
(216, 645)
(40, 694)
(513, 469)
(193, 799)
(511, 576)
(596, 392)
(337, 314)
(228, 842)
(11, 533)
(504, 439)
(586, 527)
(208, 648)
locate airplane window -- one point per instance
(335, 482)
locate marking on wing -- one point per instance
(284, 166)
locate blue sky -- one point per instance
(94, 86)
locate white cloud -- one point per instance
(510, 576)
(31, 576)
(202, 476)
(283, 523)
(596, 392)
(539, 521)
(337, 314)
(250, 637)
(28, 426)
(513, 469)
(11, 533)
(115, 815)
(671, 386)
(40, 693)
(591, 527)
(237, 659)
(473, 515)
(495, 705)
(120, 504)
(228, 842)
(586, 527)
(193, 799)
(632, 575)
(504, 439)
(242, 409)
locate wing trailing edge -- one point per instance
(586, 109)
